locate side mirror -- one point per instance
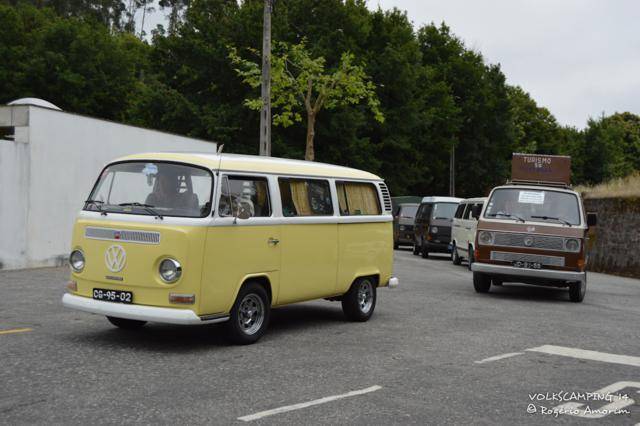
(475, 211)
(592, 219)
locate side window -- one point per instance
(305, 197)
(244, 194)
(467, 211)
(459, 211)
(357, 198)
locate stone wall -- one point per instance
(615, 243)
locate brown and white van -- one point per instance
(533, 229)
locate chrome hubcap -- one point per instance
(365, 296)
(251, 314)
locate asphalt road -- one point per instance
(421, 350)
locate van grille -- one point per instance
(386, 197)
(502, 256)
(142, 237)
(543, 242)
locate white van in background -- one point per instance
(463, 231)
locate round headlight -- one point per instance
(572, 244)
(434, 229)
(485, 237)
(170, 270)
(76, 260)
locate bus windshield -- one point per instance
(152, 188)
(533, 205)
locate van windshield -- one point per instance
(443, 210)
(533, 205)
(152, 188)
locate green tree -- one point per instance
(301, 82)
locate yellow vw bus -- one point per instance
(187, 238)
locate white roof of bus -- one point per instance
(441, 200)
(475, 200)
(254, 163)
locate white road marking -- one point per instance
(585, 354)
(324, 400)
(497, 357)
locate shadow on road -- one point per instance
(526, 292)
(163, 338)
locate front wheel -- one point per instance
(424, 252)
(481, 282)
(577, 291)
(126, 324)
(359, 302)
(416, 249)
(250, 315)
(471, 258)
(455, 257)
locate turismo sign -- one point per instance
(541, 168)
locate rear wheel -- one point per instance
(577, 291)
(126, 324)
(359, 302)
(250, 315)
(455, 257)
(481, 282)
(395, 246)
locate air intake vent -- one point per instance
(386, 197)
(142, 237)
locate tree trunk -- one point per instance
(309, 155)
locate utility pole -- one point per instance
(452, 172)
(265, 113)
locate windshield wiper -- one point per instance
(515, 216)
(566, 222)
(147, 207)
(98, 205)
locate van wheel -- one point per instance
(395, 246)
(471, 258)
(416, 249)
(126, 324)
(577, 291)
(250, 315)
(455, 257)
(424, 252)
(481, 282)
(359, 302)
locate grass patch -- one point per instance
(622, 187)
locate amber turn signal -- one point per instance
(183, 299)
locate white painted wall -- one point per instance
(45, 177)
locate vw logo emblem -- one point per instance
(528, 241)
(115, 258)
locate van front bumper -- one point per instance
(138, 312)
(512, 271)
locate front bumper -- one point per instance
(512, 271)
(137, 312)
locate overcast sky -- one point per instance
(579, 58)
(576, 57)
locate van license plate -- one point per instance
(527, 265)
(117, 296)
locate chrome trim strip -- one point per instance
(136, 312)
(528, 273)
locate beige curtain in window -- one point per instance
(362, 198)
(300, 197)
(342, 198)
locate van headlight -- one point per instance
(76, 260)
(486, 238)
(572, 245)
(170, 270)
(434, 229)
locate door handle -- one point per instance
(273, 241)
